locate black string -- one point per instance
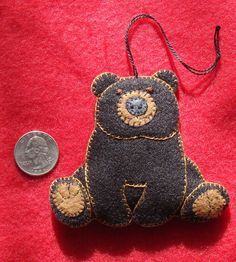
(171, 48)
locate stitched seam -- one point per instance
(97, 78)
(86, 166)
(123, 138)
(157, 75)
(130, 119)
(88, 186)
(85, 187)
(121, 79)
(125, 202)
(184, 192)
(206, 194)
(88, 204)
(136, 137)
(141, 199)
(180, 143)
(145, 225)
(196, 167)
(135, 185)
(199, 186)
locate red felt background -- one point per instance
(50, 51)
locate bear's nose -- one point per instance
(136, 106)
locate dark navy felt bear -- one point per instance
(136, 169)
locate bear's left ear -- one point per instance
(169, 77)
(102, 81)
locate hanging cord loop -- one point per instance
(171, 48)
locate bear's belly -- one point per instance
(114, 164)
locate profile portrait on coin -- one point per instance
(37, 151)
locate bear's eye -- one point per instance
(119, 91)
(150, 90)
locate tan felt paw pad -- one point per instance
(69, 199)
(209, 204)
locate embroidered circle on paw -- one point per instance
(136, 108)
(209, 204)
(68, 198)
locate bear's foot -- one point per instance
(70, 202)
(205, 202)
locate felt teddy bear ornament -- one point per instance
(135, 168)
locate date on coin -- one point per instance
(36, 153)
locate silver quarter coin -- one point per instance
(36, 153)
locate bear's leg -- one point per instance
(109, 202)
(158, 204)
(203, 200)
(194, 176)
(70, 201)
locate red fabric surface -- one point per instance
(50, 53)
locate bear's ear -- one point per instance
(169, 77)
(102, 81)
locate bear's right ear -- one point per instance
(102, 81)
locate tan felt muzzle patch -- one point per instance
(209, 204)
(68, 199)
(136, 108)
